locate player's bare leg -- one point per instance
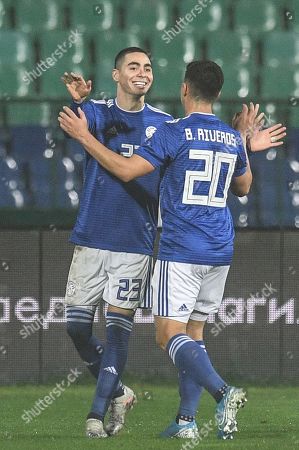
(195, 329)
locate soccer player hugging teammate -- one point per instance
(114, 235)
(202, 158)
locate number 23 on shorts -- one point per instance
(129, 286)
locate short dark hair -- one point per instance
(120, 56)
(205, 79)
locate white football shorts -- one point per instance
(121, 279)
(187, 291)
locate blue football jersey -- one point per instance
(114, 215)
(200, 155)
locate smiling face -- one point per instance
(134, 75)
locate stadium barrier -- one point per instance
(253, 337)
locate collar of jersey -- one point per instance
(198, 112)
(125, 110)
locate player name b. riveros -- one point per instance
(201, 134)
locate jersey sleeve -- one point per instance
(159, 148)
(241, 163)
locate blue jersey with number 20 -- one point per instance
(200, 155)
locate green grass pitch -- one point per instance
(270, 420)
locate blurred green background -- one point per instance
(256, 42)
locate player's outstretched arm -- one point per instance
(247, 120)
(250, 122)
(77, 86)
(240, 186)
(124, 168)
(267, 138)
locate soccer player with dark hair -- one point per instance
(114, 235)
(202, 159)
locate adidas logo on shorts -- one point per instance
(183, 307)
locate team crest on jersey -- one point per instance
(71, 289)
(150, 131)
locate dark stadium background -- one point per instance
(257, 44)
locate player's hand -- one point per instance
(267, 138)
(248, 121)
(76, 127)
(77, 86)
